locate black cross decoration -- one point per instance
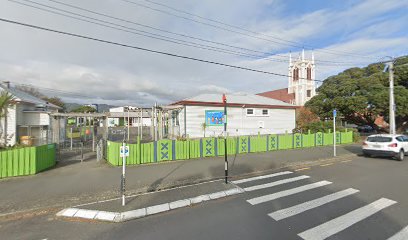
(165, 155)
(297, 140)
(164, 147)
(208, 147)
(273, 142)
(243, 143)
(319, 139)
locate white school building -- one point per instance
(247, 114)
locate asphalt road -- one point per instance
(353, 198)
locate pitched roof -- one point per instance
(235, 99)
(22, 96)
(279, 94)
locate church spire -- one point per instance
(303, 55)
(290, 58)
(313, 57)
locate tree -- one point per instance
(204, 127)
(56, 101)
(84, 109)
(304, 117)
(5, 101)
(361, 95)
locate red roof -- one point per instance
(280, 94)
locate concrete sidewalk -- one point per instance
(146, 204)
(78, 183)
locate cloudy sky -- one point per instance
(257, 34)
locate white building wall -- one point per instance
(11, 126)
(277, 121)
(35, 119)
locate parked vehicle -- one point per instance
(386, 145)
(365, 128)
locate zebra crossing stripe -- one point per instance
(272, 184)
(401, 235)
(285, 193)
(300, 208)
(338, 224)
(261, 177)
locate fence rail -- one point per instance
(168, 150)
(26, 161)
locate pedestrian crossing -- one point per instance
(324, 230)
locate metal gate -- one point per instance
(76, 151)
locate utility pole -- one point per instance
(334, 132)
(224, 99)
(128, 124)
(392, 103)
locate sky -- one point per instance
(256, 34)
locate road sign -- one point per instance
(334, 113)
(124, 151)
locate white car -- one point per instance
(386, 145)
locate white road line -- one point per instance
(401, 235)
(285, 193)
(338, 224)
(272, 184)
(291, 211)
(261, 177)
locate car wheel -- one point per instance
(366, 155)
(401, 155)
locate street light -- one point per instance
(390, 68)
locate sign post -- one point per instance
(124, 152)
(334, 131)
(224, 99)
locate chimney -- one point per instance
(7, 84)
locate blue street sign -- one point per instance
(124, 151)
(334, 113)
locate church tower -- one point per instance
(301, 79)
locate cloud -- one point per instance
(98, 72)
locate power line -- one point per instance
(146, 34)
(249, 32)
(145, 49)
(156, 36)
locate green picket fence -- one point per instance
(26, 161)
(169, 150)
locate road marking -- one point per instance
(302, 169)
(338, 224)
(401, 235)
(261, 177)
(327, 164)
(346, 161)
(285, 193)
(291, 211)
(272, 184)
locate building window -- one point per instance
(265, 112)
(250, 111)
(295, 74)
(309, 93)
(309, 73)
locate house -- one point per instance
(247, 114)
(301, 82)
(119, 116)
(26, 116)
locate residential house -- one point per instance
(26, 116)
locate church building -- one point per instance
(301, 82)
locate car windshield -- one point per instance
(379, 139)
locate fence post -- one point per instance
(139, 149)
(71, 138)
(82, 152)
